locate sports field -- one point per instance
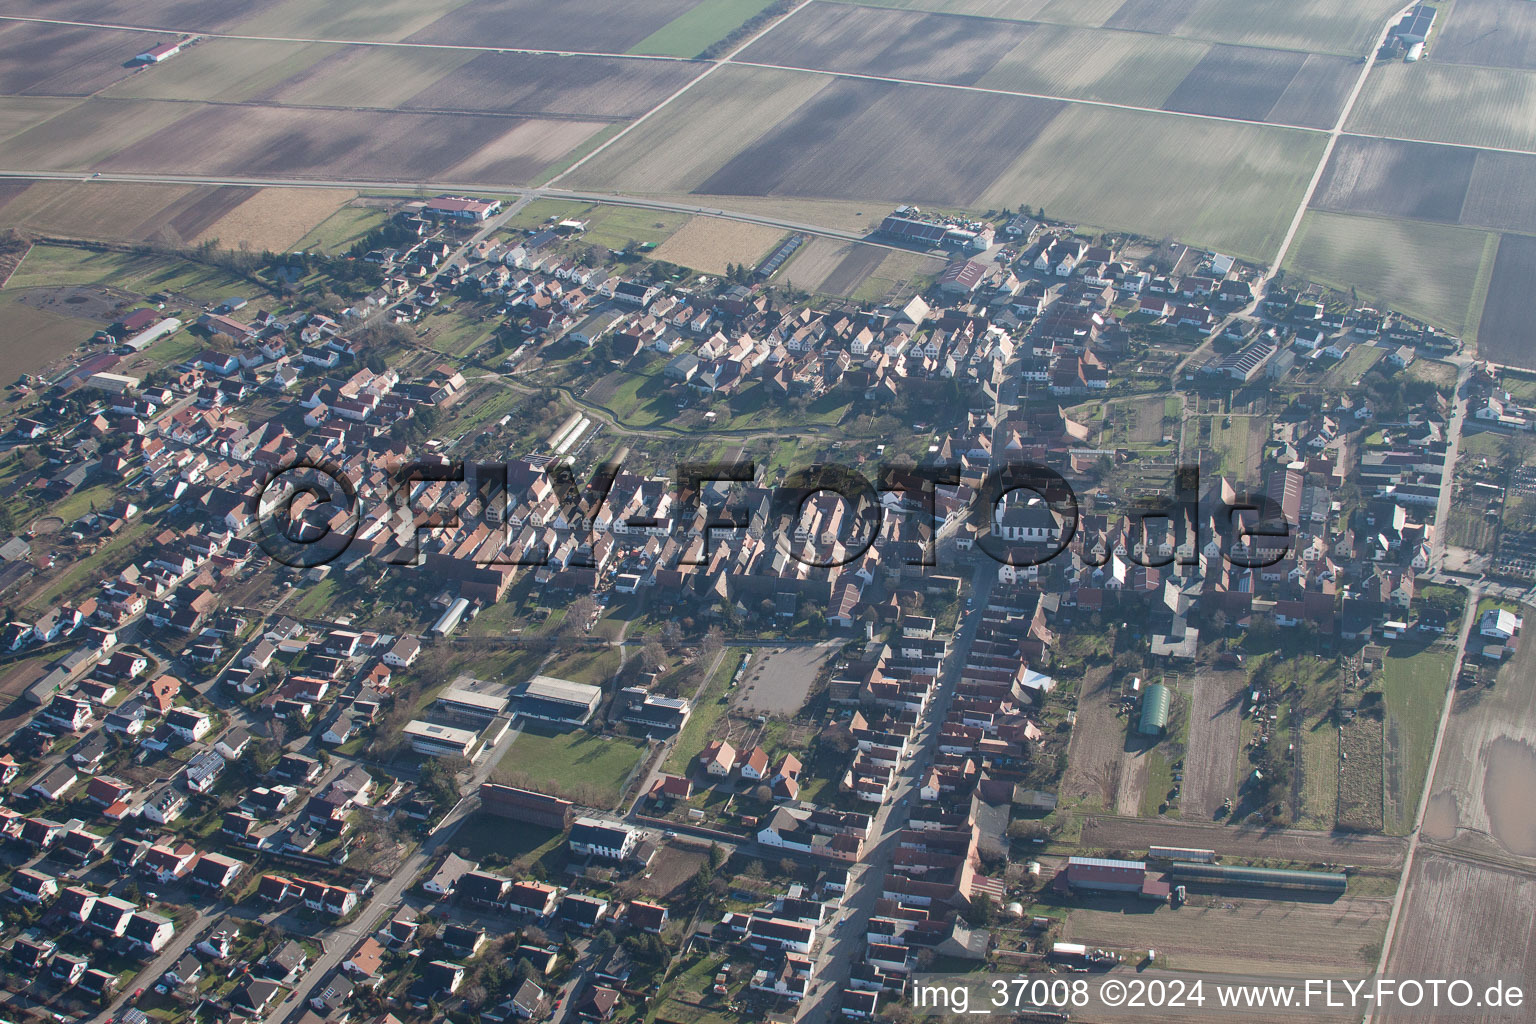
(576, 764)
(1434, 271)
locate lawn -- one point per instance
(486, 837)
(342, 229)
(48, 265)
(594, 666)
(693, 32)
(1414, 687)
(577, 765)
(1434, 271)
(711, 705)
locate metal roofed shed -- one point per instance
(1269, 878)
(1154, 710)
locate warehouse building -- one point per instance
(472, 700)
(462, 208)
(558, 700)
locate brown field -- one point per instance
(1480, 795)
(855, 267)
(1159, 16)
(1360, 777)
(600, 26)
(1504, 333)
(1279, 86)
(835, 214)
(108, 210)
(364, 144)
(1462, 919)
(1396, 179)
(1491, 33)
(32, 338)
(389, 20)
(547, 85)
(88, 133)
(19, 113)
(816, 259)
(1502, 193)
(180, 15)
(1425, 181)
(1100, 765)
(1244, 842)
(858, 139)
(226, 70)
(1271, 937)
(272, 218)
(709, 243)
(59, 60)
(901, 44)
(1215, 729)
(368, 76)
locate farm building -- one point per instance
(1269, 878)
(462, 208)
(1183, 854)
(1416, 25)
(143, 339)
(558, 700)
(1154, 710)
(154, 55)
(1096, 874)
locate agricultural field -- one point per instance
(1228, 935)
(1489, 33)
(1434, 102)
(1251, 84)
(223, 70)
(1102, 771)
(577, 765)
(178, 15)
(1415, 688)
(61, 60)
(694, 31)
(385, 20)
(594, 26)
(829, 267)
(1064, 12)
(31, 338)
(1486, 761)
(342, 229)
(1113, 67)
(18, 113)
(341, 143)
(58, 265)
(1361, 746)
(369, 76)
(552, 86)
(1422, 181)
(277, 218)
(1504, 334)
(1434, 271)
(859, 138)
(871, 41)
(1215, 726)
(710, 243)
(1229, 186)
(85, 135)
(1461, 919)
(95, 209)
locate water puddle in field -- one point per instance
(1507, 786)
(1442, 816)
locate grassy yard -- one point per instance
(1414, 687)
(342, 229)
(577, 765)
(711, 705)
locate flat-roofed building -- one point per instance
(440, 740)
(558, 700)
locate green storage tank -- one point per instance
(1154, 710)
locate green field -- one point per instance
(576, 765)
(1433, 271)
(1232, 187)
(48, 265)
(342, 229)
(691, 33)
(711, 705)
(1453, 103)
(1414, 687)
